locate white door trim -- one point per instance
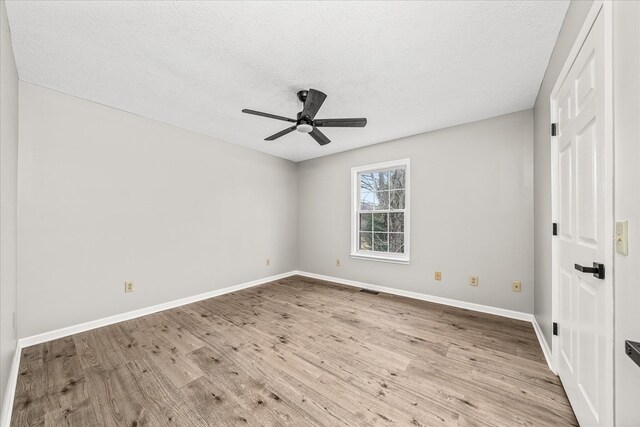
(604, 7)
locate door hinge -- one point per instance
(554, 129)
(555, 228)
(555, 329)
(633, 351)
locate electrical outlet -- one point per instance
(473, 280)
(438, 275)
(129, 287)
(516, 286)
(268, 263)
(337, 263)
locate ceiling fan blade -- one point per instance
(341, 123)
(281, 133)
(312, 104)
(271, 116)
(320, 137)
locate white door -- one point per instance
(582, 233)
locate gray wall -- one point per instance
(8, 199)
(471, 213)
(107, 196)
(542, 163)
(626, 94)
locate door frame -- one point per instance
(605, 8)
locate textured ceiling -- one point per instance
(408, 67)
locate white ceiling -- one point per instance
(408, 67)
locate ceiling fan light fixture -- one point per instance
(304, 127)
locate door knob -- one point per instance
(597, 269)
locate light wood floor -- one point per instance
(296, 352)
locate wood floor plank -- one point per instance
(30, 387)
(294, 352)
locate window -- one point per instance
(380, 212)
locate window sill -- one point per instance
(380, 258)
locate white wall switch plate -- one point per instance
(622, 237)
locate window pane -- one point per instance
(367, 182)
(397, 199)
(366, 241)
(396, 222)
(381, 216)
(380, 242)
(367, 200)
(380, 222)
(396, 243)
(397, 178)
(381, 180)
(382, 200)
(366, 222)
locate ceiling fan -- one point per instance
(306, 122)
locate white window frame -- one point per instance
(355, 203)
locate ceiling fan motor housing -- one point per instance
(305, 123)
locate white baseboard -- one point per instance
(518, 315)
(93, 324)
(10, 391)
(546, 350)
